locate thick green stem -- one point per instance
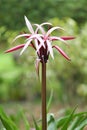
(44, 118)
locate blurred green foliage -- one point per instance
(71, 75)
(18, 80)
(12, 11)
(65, 120)
(9, 78)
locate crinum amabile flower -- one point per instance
(41, 41)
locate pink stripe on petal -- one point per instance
(51, 30)
(67, 37)
(21, 35)
(25, 35)
(15, 48)
(61, 52)
(53, 38)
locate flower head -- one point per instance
(41, 41)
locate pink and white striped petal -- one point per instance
(18, 47)
(38, 37)
(61, 52)
(36, 44)
(21, 35)
(67, 37)
(29, 26)
(39, 46)
(39, 28)
(46, 23)
(53, 38)
(50, 50)
(25, 47)
(52, 29)
(15, 48)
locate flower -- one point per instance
(41, 41)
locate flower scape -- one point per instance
(41, 41)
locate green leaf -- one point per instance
(35, 123)
(74, 123)
(82, 125)
(68, 120)
(26, 123)
(80, 120)
(6, 121)
(49, 101)
(61, 121)
(51, 122)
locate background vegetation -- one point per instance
(18, 80)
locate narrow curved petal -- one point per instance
(26, 45)
(46, 23)
(50, 48)
(28, 24)
(39, 46)
(15, 48)
(52, 29)
(39, 28)
(35, 36)
(53, 38)
(21, 35)
(61, 52)
(67, 37)
(38, 37)
(36, 44)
